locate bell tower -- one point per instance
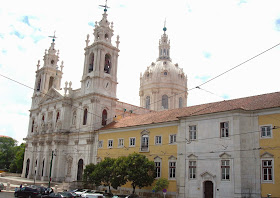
(101, 60)
(49, 75)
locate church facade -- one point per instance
(63, 122)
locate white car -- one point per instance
(92, 195)
(82, 191)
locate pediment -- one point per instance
(267, 155)
(206, 175)
(52, 94)
(157, 158)
(192, 156)
(225, 155)
(172, 158)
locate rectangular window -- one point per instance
(132, 141)
(266, 131)
(158, 140)
(145, 143)
(172, 170)
(224, 128)
(100, 144)
(225, 169)
(157, 165)
(121, 142)
(267, 173)
(172, 139)
(192, 131)
(110, 143)
(192, 169)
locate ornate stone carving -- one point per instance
(69, 161)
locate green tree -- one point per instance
(103, 172)
(87, 172)
(140, 171)
(17, 163)
(119, 176)
(7, 152)
(161, 184)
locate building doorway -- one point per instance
(27, 168)
(80, 170)
(208, 189)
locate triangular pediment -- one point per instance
(192, 156)
(52, 94)
(225, 155)
(267, 155)
(172, 158)
(207, 175)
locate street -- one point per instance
(6, 194)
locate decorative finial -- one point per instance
(53, 37)
(38, 65)
(61, 66)
(164, 28)
(87, 41)
(105, 6)
(118, 41)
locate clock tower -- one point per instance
(101, 61)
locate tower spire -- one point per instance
(164, 45)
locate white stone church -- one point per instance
(63, 121)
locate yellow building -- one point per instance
(270, 156)
(153, 135)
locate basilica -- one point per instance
(64, 122)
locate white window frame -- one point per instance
(158, 173)
(172, 138)
(192, 169)
(100, 144)
(158, 137)
(192, 132)
(224, 132)
(145, 143)
(225, 167)
(271, 131)
(120, 142)
(130, 145)
(173, 170)
(272, 169)
(111, 143)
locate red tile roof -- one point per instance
(258, 102)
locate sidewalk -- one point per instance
(16, 181)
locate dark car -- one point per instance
(29, 192)
(32, 191)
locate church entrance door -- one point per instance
(80, 170)
(208, 189)
(27, 168)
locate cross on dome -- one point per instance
(105, 6)
(53, 37)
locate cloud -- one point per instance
(1, 36)
(4, 51)
(25, 20)
(242, 2)
(37, 38)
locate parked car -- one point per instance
(60, 195)
(1, 186)
(132, 196)
(119, 196)
(29, 192)
(82, 191)
(92, 195)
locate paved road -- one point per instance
(6, 195)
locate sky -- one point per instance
(207, 38)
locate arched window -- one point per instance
(85, 117)
(167, 52)
(32, 127)
(106, 37)
(164, 52)
(74, 118)
(51, 82)
(104, 117)
(27, 168)
(43, 165)
(57, 116)
(80, 170)
(107, 66)
(180, 102)
(39, 85)
(43, 118)
(91, 63)
(148, 102)
(164, 102)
